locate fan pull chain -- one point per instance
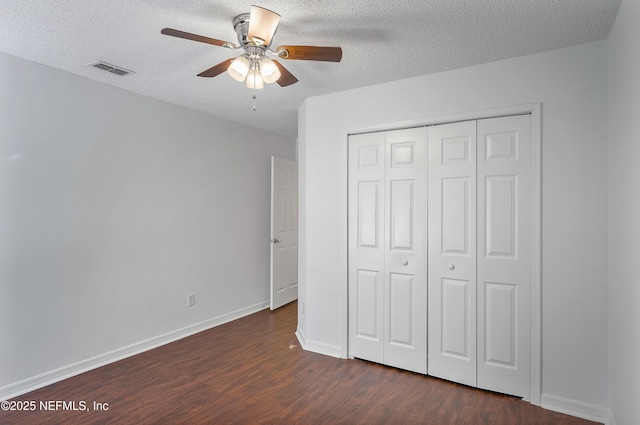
(254, 91)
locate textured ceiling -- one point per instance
(382, 40)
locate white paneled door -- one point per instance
(387, 248)
(284, 232)
(366, 245)
(452, 252)
(480, 253)
(504, 254)
(440, 251)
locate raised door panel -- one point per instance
(292, 267)
(401, 315)
(281, 210)
(504, 260)
(501, 216)
(452, 252)
(456, 320)
(368, 157)
(401, 197)
(403, 154)
(280, 282)
(501, 324)
(368, 316)
(368, 224)
(293, 210)
(455, 216)
(455, 150)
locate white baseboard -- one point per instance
(318, 347)
(579, 409)
(30, 384)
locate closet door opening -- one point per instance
(440, 251)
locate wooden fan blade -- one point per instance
(286, 78)
(217, 70)
(311, 53)
(194, 37)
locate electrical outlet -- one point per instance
(191, 300)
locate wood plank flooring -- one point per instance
(252, 371)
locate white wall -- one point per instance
(113, 207)
(571, 84)
(624, 213)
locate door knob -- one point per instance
(405, 262)
(452, 266)
(274, 240)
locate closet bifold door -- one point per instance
(504, 254)
(452, 252)
(387, 248)
(405, 286)
(366, 241)
(479, 297)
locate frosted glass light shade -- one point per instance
(254, 80)
(239, 68)
(263, 24)
(269, 70)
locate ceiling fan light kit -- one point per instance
(255, 67)
(255, 31)
(239, 68)
(269, 71)
(254, 80)
(263, 24)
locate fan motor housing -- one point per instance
(241, 27)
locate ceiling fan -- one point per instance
(255, 31)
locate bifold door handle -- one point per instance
(274, 240)
(405, 262)
(452, 266)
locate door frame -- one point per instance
(535, 110)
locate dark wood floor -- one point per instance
(252, 371)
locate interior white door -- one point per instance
(452, 252)
(284, 232)
(405, 285)
(504, 254)
(387, 248)
(366, 241)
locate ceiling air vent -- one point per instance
(111, 68)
